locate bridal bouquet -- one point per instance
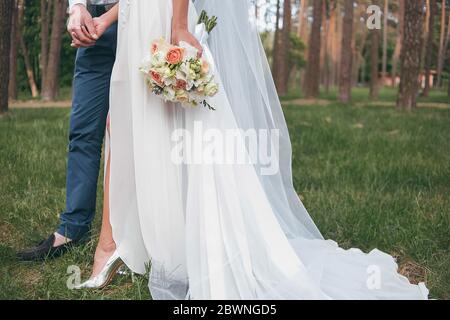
(176, 74)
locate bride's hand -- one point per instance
(179, 35)
(101, 25)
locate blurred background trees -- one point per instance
(41, 58)
(314, 46)
(410, 56)
(6, 12)
(341, 52)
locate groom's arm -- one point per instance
(81, 25)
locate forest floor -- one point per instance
(370, 177)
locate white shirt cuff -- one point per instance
(74, 2)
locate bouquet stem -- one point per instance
(210, 23)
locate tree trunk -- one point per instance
(303, 32)
(45, 29)
(429, 48)
(345, 82)
(448, 89)
(283, 50)
(276, 47)
(385, 39)
(12, 92)
(358, 44)
(6, 12)
(25, 54)
(303, 21)
(425, 33)
(374, 63)
(398, 44)
(447, 42)
(442, 47)
(312, 76)
(50, 86)
(338, 43)
(29, 68)
(331, 57)
(410, 56)
(323, 49)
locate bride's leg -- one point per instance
(106, 245)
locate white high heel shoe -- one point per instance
(104, 278)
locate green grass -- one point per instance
(370, 177)
(33, 145)
(65, 93)
(361, 94)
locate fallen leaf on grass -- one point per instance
(413, 271)
(394, 132)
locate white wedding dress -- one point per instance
(211, 230)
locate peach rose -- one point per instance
(181, 84)
(181, 96)
(205, 66)
(156, 77)
(175, 55)
(155, 47)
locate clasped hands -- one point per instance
(85, 30)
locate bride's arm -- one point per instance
(180, 30)
(106, 20)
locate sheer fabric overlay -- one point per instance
(220, 230)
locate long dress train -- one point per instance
(212, 230)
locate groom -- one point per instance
(93, 67)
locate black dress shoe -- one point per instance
(45, 250)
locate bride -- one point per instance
(206, 227)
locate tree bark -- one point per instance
(50, 87)
(12, 92)
(410, 56)
(374, 63)
(359, 42)
(45, 29)
(312, 76)
(29, 68)
(303, 21)
(283, 50)
(429, 48)
(276, 46)
(442, 47)
(331, 56)
(345, 82)
(448, 89)
(337, 43)
(324, 49)
(447, 42)
(425, 33)
(398, 44)
(6, 12)
(385, 39)
(25, 54)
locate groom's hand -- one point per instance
(81, 27)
